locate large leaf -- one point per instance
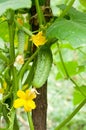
(77, 96)
(72, 68)
(72, 30)
(74, 15)
(4, 32)
(13, 4)
(83, 2)
(77, 16)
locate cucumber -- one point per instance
(43, 67)
(21, 41)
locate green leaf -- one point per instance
(2, 44)
(83, 89)
(77, 96)
(4, 31)
(3, 128)
(72, 30)
(83, 2)
(3, 57)
(2, 66)
(72, 69)
(66, 45)
(77, 16)
(74, 15)
(14, 4)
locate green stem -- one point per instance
(39, 13)
(7, 96)
(27, 31)
(67, 8)
(71, 115)
(11, 39)
(66, 1)
(30, 121)
(67, 74)
(24, 67)
(11, 118)
(2, 21)
(82, 51)
(30, 76)
(11, 26)
(12, 56)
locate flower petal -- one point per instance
(26, 108)
(30, 94)
(18, 103)
(21, 94)
(39, 39)
(29, 105)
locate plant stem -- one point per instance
(11, 118)
(11, 27)
(30, 121)
(67, 8)
(27, 31)
(7, 96)
(82, 51)
(71, 115)
(11, 39)
(30, 76)
(24, 67)
(39, 12)
(67, 74)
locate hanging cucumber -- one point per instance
(21, 41)
(43, 66)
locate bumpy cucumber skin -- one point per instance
(21, 41)
(43, 67)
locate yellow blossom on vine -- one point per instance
(25, 100)
(39, 39)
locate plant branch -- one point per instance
(71, 115)
(39, 12)
(67, 8)
(67, 74)
(27, 31)
(24, 67)
(30, 121)
(11, 27)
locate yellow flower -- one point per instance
(25, 99)
(38, 39)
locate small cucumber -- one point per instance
(21, 41)
(43, 66)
